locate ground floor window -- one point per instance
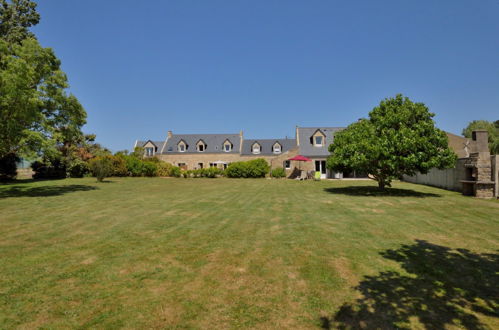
(287, 164)
(183, 166)
(200, 165)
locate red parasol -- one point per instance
(301, 158)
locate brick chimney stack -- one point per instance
(170, 134)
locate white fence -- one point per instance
(449, 179)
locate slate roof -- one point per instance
(158, 144)
(266, 146)
(457, 143)
(307, 148)
(214, 143)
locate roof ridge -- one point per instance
(321, 126)
(207, 134)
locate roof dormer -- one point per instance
(227, 146)
(318, 139)
(182, 146)
(256, 148)
(149, 148)
(201, 146)
(277, 148)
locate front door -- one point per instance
(320, 166)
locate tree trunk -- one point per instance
(381, 184)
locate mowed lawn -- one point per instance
(229, 253)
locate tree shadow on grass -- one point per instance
(443, 287)
(375, 191)
(43, 191)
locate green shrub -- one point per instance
(78, 168)
(154, 159)
(167, 169)
(256, 168)
(8, 168)
(237, 170)
(134, 166)
(49, 169)
(119, 166)
(101, 167)
(175, 172)
(278, 172)
(213, 172)
(149, 168)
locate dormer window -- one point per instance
(256, 148)
(201, 146)
(318, 139)
(276, 148)
(182, 147)
(227, 146)
(149, 151)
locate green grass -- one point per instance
(228, 253)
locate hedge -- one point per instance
(256, 168)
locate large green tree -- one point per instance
(491, 127)
(16, 17)
(37, 114)
(398, 138)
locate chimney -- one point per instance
(170, 134)
(481, 138)
(240, 141)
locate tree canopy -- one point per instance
(398, 138)
(491, 127)
(16, 17)
(37, 114)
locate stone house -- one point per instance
(194, 151)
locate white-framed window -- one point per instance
(318, 140)
(277, 148)
(149, 151)
(200, 165)
(182, 147)
(227, 146)
(256, 149)
(182, 166)
(287, 164)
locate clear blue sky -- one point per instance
(141, 68)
